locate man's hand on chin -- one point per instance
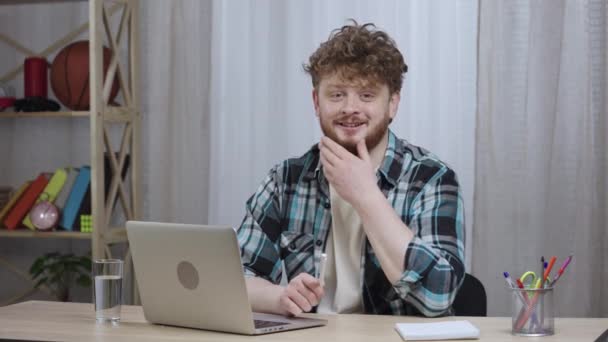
(353, 177)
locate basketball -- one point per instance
(70, 75)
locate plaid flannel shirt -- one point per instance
(289, 217)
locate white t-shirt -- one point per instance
(343, 288)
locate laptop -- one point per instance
(191, 276)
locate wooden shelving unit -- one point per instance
(26, 233)
(101, 115)
(79, 114)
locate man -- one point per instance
(388, 214)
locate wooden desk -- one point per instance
(54, 321)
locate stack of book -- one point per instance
(69, 189)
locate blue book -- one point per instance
(72, 205)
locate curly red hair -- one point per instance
(359, 52)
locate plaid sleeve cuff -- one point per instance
(419, 261)
(426, 281)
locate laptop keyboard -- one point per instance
(266, 324)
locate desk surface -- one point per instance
(54, 321)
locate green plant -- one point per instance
(58, 271)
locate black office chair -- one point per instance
(471, 299)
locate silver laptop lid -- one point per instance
(179, 266)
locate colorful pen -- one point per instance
(562, 269)
(521, 286)
(508, 280)
(523, 316)
(542, 265)
(513, 286)
(530, 310)
(547, 271)
(522, 295)
(543, 272)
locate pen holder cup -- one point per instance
(532, 312)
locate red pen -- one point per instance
(521, 286)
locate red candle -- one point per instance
(35, 76)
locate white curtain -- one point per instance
(261, 107)
(541, 149)
(175, 50)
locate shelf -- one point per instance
(112, 114)
(114, 234)
(27, 233)
(23, 2)
(44, 114)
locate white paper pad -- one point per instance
(445, 330)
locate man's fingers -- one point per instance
(318, 291)
(326, 163)
(314, 285)
(294, 294)
(305, 291)
(328, 170)
(362, 150)
(289, 306)
(329, 156)
(310, 296)
(335, 148)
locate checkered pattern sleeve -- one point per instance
(434, 259)
(259, 233)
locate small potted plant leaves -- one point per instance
(59, 271)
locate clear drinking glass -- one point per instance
(532, 312)
(107, 293)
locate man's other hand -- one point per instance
(301, 294)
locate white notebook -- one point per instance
(446, 330)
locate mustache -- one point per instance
(351, 117)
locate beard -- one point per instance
(372, 138)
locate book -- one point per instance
(74, 201)
(23, 205)
(85, 207)
(444, 330)
(11, 202)
(67, 188)
(49, 193)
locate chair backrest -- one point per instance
(471, 299)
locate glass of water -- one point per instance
(107, 294)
